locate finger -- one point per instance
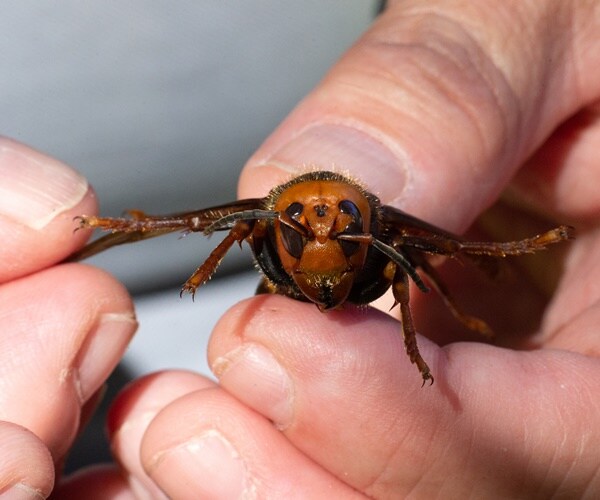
(431, 113)
(99, 482)
(337, 383)
(511, 298)
(561, 177)
(39, 197)
(322, 367)
(209, 445)
(64, 329)
(570, 320)
(26, 469)
(131, 413)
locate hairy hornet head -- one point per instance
(319, 213)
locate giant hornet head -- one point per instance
(319, 215)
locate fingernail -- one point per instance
(346, 149)
(34, 188)
(207, 466)
(102, 352)
(21, 491)
(253, 375)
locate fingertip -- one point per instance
(279, 356)
(324, 378)
(149, 394)
(209, 445)
(36, 188)
(39, 196)
(362, 152)
(26, 467)
(132, 412)
(205, 465)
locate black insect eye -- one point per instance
(354, 227)
(349, 208)
(293, 241)
(294, 210)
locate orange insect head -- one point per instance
(312, 216)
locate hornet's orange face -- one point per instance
(313, 215)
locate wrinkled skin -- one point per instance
(438, 108)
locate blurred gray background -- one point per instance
(159, 104)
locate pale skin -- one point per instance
(438, 108)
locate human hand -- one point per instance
(435, 109)
(62, 329)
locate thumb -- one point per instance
(429, 112)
